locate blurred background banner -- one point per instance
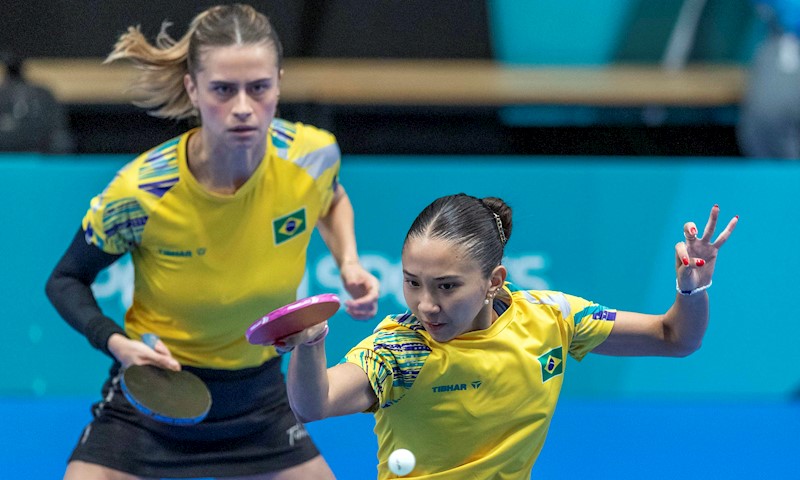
(587, 46)
(601, 228)
(602, 32)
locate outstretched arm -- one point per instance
(680, 330)
(316, 392)
(337, 229)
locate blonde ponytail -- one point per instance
(162, 66)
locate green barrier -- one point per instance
(600, 228)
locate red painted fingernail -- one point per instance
(700, 262)
(693, 231)
(716, 206)
(685, 260)
(737, 217)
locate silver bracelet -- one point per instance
(686, 293)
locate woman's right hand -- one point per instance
(134, 352)
(310, 336)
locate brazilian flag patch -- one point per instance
(289, 226)
(552, 364)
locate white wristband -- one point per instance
(686, 293)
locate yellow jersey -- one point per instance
(478, 406)
(208, 265)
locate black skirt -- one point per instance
(250, 430)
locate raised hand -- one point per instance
(696, 257)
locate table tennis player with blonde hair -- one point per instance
(217, 222)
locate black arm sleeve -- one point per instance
(69, 290)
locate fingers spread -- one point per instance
(711, 225)
(725, 234)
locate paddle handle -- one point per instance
(150, 339)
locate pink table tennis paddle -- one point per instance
(292, 318)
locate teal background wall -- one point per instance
(600, 32)
(559, 33)
(601, 228)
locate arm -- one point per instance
(316, 392)
(680, 330)
(69, 289)
(337, 229)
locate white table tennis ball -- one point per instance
(401, 462)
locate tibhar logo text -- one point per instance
(174, 253)
(449, 388)
(457, 387)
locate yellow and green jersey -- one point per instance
(478, 406)
(208, 265)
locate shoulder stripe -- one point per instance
(318, 161)
(560, 301)
(529, 297)
(408, 352)
(159, 170)
(283, 134)
(590, 310)
(159, 188)
(123, 223)
(284, 128)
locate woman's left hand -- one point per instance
(363, 287)
(696, 256)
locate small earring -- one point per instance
(486, 301)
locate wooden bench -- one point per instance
(384, 82)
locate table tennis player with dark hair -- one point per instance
(217, 222)
(468, 379)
